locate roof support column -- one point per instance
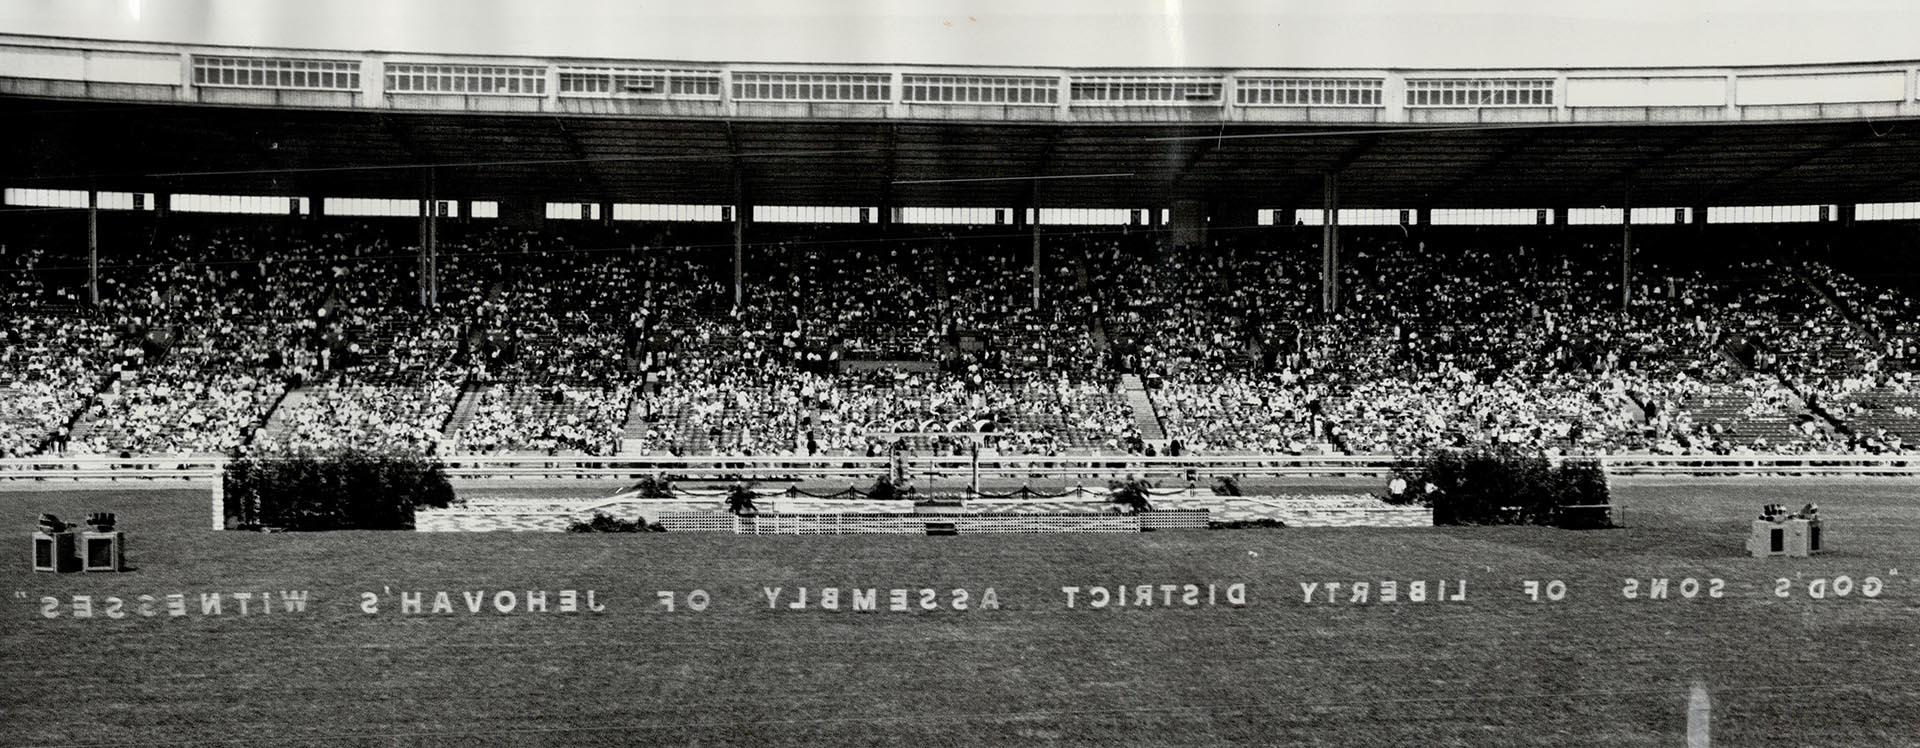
(1330, 244)
(433, 252)
(1036, 258)
(1033, 192)
(740, 207)
(888, 211)
(429, 240)
(739, 238)
(1626, 248)
(93, 247)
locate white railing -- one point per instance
(862, 470)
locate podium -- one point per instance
(1795, 538)
(102, 551)
(54, 552)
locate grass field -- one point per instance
(1496, 669)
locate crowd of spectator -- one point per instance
(225, 337)
(340, 414)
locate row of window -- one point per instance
(1490, 217)
(406, 77)
(380, 206)
(246, 204)
(28, 197)
(249, 204)
(1886, 212)
(340, 206)
(1641, 216)
(1095, 216)
(812, 87)
(1308, 91)
(955, 216)
(815, 214)
(1094, 90)
(1348, 217)
(1485, 217)
(658, 84)
(1303, 217)
(972, 89)
(672, 212)
(573, 211)
(1475, 92)
(264, 72)
(1772, 213)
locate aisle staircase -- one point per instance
(274, 422)
(1145, 417)
(1845, 310)
(635, 428)
(463, 409)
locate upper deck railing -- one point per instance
(335, 79)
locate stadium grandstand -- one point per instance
(1007, 372)
(212, 249)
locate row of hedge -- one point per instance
(359, 490)
(1512, 487)
(332, 490)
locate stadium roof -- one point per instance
(248, 150)
(1071, 33)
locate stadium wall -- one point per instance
(388, 80)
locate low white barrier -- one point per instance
(1093, 469)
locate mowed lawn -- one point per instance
(1497, 669)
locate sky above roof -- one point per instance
(1066, 33)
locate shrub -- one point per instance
(1245, 524)
(603, 522)
(1226, 485)
(1583, 484)
(1509, 487)
(332, 490)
